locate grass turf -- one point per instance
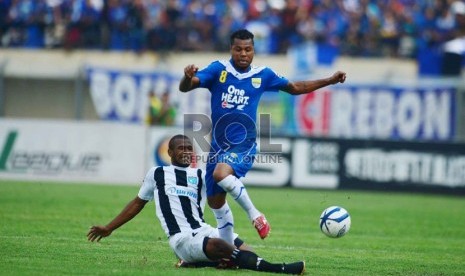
(43, 232)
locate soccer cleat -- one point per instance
(262, 226)
(297, 268)
(184, 264)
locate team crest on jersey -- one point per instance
(192, 180)
(256, 82)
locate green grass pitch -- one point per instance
(43, 232)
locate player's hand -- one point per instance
(338, 77)
(96, 233)
(190, 70)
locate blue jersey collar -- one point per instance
(239, 70)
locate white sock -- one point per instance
(236, 189)
(225, 221)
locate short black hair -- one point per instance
(242, 34)
(174, 138)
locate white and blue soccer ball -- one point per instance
(335, 222)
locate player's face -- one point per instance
(242, 52)
(182, 152)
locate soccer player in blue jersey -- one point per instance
(236, 87)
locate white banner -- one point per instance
(124, 95)
(299, 163)
(271, 169)
(379, 112)
(72, 151)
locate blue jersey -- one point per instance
(234, 100)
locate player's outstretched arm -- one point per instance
(189, 81)
(97, 232)
(304, 87)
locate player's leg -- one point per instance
(225, 175)
(219, 249)
(223, 264)
(223, 215)
(216, 197)
(201, 248)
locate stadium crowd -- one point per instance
(356, 27)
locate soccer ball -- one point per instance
(335, 222)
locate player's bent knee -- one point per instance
(219, 175)
(218, 249)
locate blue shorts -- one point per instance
(241, 163)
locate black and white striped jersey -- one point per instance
(179, 195)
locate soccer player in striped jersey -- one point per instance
(236, 87)
(179, 194)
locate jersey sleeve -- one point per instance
(146, 191)
(208, 74)
(274, 81)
